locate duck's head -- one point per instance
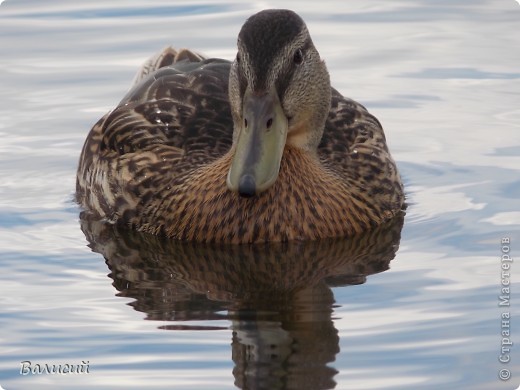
(279, 91)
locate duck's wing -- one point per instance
(183, 105)
(172, 121)
(349, 129)
(354, 147)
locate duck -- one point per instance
(254, 150)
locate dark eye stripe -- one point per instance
(284, 79)
(242, 82)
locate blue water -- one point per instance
(416, 308)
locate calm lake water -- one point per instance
(404, 307)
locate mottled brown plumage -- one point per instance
(159, 161)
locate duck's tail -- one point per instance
(166, 57)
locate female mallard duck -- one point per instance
(255, 150)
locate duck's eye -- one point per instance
(238, 58)
(298, 57)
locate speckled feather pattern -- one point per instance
(158, 163)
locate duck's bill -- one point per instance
(260, 144)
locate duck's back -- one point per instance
(177, 111)
(184, 106)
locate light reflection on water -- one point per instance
(278, 298)
(443, 79)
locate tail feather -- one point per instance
(166, 57)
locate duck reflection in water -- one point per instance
(277, 297)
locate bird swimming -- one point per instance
(257, 149)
